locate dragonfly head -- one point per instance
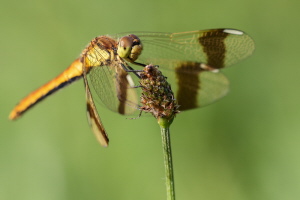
(130, 47)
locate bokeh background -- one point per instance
(245, 147)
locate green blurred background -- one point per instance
(245, 147)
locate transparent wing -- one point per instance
(93, 116)
(114, 87)
(109, 84)
(191, 59)
(217, 48)
(195, 87)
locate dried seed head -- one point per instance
(157, 96)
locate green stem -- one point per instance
(166, 143)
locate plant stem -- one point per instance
(166, 143)
(157, 98)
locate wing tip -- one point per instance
(233, 31)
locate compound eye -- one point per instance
(136, 39)
(125, 46)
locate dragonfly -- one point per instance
(110, 67)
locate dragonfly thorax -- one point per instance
(129, 47)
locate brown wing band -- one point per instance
(188, 81)
(213, 45)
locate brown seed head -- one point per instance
(157, 96)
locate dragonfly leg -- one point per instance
(137, 86)
(137, 116)
(139, 64)
(130, 69)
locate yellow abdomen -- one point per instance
(72, 73)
